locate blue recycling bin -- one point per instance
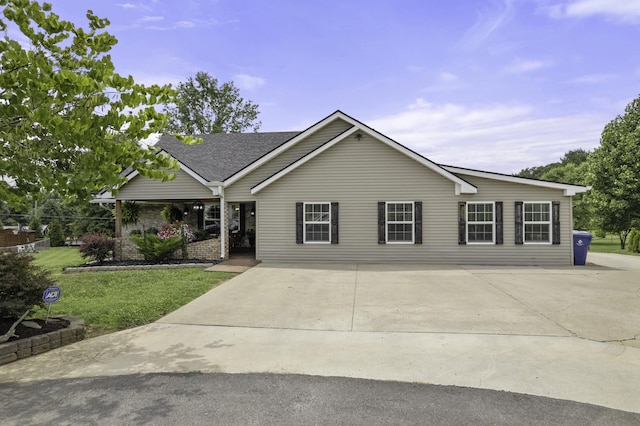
(581, 241)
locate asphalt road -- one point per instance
(264, 399)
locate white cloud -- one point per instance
(487, 23)
(592, 79)
(151, 18)
(447, 77)
(526, 66)
(627, 11)
(185, 24)
(131, 6)
(499, 138)
(248, 82)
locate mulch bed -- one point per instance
(144, 262)
(24, 332)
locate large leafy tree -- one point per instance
(572, 168)
(614, 174)
(68, 122)
(203, 105)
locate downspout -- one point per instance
(223, 225)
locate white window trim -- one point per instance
(525, 223)
(412, 222)
(493, 222)
(304, 222)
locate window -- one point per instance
(212, 218)
(537, 222)
(400, 222)
(480, 223)
(317, 222)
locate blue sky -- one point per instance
(495, 85)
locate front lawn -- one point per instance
(116, 300)
(609, 244)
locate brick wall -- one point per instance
(125, 249)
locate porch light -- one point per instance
(198, 206)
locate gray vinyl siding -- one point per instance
(183, 187)
(358, 174)
(241, 190)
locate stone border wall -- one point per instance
(24, 348)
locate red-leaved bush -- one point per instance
(97, 246)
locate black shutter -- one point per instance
(418, 222)
(334, 223)
(555, 222)
(381, 222)
(299, 224)
(499, 227)
(519, 223)
(462, 222)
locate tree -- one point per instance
(203, 106)
(92, 218)
(614, 174)
(553, 171)
(56, 236)
(68, 121)
(572, 168)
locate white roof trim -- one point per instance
(105, 197)
(259, 187)
(569, 190)
(271, 155)
(461, 186)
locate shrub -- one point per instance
(171, 213)
(151, 230)
(130, 213)
(155, 249)
(201, 235)
(135, 232)
(634, 241)
(21, 284)
(97, 246)
(36, 225)
(599, 233)
(55, 234)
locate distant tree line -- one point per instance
(612, 170)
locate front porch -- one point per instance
(215, 238)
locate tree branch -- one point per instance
(9, 334)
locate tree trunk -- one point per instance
(623, 238)
(9, 334)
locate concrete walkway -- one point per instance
(568, 333)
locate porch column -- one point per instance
(223, 225)
(118, 219)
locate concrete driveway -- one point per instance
(595, 303)
(569, 333)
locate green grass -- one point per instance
(56, 259)
(609, 244)
(116, 300)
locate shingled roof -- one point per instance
(221, 155)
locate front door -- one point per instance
(242, 228)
